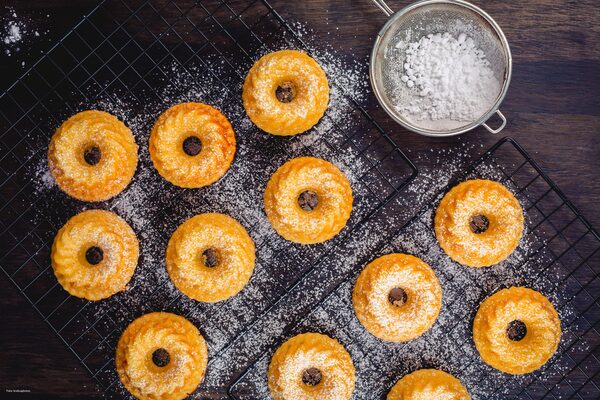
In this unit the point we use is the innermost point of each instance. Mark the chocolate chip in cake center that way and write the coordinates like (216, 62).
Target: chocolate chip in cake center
(479, 223)
(161, 357)
(192, 146)
(308, 200)
(312, 376)
(210, 257)
(94, 255)
(516, 330)
(92, 155)
(285, 92)
(397, 296)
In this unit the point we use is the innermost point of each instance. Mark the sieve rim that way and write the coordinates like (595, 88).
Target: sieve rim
(396, 116)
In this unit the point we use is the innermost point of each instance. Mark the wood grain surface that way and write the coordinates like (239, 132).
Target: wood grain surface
(553, 109)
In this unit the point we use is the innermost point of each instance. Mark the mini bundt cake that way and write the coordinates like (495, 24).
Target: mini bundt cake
(308, 200)
(95, 254)
(311, 366)
(516, 330)
(397, 297)
(161, 356)
(92, 156)
(285, 93)
(192, 145)
(479, 223)
(428, 384)
(210, 257)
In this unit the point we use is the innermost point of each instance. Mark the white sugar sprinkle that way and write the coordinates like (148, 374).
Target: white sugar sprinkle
(14, 33)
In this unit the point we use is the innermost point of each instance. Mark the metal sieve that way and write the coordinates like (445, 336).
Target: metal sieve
(420, 19)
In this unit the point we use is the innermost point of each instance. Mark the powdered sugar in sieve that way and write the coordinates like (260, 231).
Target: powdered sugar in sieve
(440, 67)
(444, 82)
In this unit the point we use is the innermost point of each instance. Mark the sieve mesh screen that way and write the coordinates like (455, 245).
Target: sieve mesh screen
(421, 21)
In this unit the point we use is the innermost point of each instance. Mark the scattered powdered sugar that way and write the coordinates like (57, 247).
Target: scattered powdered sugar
(15, 31)
(432, 179)
(351, 75)
(43, 177)
(452, 78)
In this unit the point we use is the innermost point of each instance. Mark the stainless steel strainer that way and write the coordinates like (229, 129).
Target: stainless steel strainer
(436, 16)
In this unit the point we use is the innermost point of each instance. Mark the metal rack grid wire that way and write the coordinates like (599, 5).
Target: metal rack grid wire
(124, 52)
(562, 259)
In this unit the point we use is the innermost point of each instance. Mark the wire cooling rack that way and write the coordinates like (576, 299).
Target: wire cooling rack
(135, 59)
(127, 52)
(559, 256)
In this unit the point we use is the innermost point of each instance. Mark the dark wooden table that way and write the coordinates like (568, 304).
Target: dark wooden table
(553, 107)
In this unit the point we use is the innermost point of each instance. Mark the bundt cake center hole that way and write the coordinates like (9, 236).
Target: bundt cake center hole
(397, 296)
(285, 92)
(312, 376)
(479, 223)
(94, 255)
(192, 146)
(92, 155)
(516, 330)
(210, 257)
(161, 357)
(308, 200)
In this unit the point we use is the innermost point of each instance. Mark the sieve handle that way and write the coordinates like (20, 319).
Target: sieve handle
(502, 125)
(383, 7)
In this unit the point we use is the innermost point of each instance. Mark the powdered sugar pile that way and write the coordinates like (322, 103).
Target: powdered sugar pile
(451, 76)
(441, 70)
